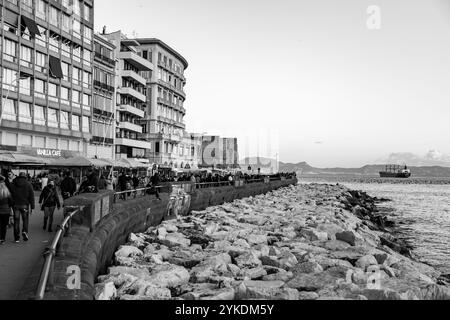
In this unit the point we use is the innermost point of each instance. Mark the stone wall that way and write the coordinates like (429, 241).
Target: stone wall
(93, 241)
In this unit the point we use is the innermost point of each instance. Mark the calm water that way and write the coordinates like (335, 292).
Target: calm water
(422, 210)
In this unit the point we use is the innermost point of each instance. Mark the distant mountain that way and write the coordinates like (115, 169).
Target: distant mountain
(432, 158)
(368, 170)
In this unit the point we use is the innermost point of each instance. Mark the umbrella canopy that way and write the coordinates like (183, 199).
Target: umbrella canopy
(80, 162)
(19, 158)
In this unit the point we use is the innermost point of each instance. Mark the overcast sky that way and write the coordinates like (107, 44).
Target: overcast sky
(327, 89)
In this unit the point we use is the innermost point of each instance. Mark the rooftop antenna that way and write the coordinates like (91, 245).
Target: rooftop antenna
(104, 29)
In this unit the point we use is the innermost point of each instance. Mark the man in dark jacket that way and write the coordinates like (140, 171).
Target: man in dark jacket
(68, 186)
(50, 201)
(155, 180)
(23, 199)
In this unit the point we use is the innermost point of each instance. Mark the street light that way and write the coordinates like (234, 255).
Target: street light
(18, 78)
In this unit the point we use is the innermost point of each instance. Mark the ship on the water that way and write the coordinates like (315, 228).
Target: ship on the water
(396, 171)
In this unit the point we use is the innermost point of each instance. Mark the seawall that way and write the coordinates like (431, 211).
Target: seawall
(103, 226)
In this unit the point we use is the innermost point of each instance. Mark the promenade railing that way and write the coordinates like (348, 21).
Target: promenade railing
(51, 252)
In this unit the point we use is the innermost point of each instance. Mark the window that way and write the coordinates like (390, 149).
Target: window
(10, 110)
(25, 86)
(52, 143)
(76, 96)
(52, 92)
(53, 118)
(54, 42)
(87, 78)
(77, 53)
(39, 116)
(86, 100)
(76, 7)
(53, 16)
(39, 88)
(87, 34)
(66, 22)
(64, 120)
(24, 112)
(66, 47)
(41, 9)
(76, 28)
(65, 95)
(76, 76)
(65, 69)
(42, 39)
(40, 61)
(25, 56)
(75, 123)
(87, 56)
(64, 144)
(39, 142)
(86, 124)
(87, 13)
(9, 50)
(26, 140)
(10, 78)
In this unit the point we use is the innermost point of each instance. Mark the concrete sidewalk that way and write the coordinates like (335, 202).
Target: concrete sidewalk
(17, 260)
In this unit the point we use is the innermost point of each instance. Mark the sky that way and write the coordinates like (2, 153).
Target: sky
(311, 79)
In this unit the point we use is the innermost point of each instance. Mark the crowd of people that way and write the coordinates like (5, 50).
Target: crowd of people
(17, 194)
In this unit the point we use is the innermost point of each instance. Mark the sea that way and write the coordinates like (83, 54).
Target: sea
(419, 206)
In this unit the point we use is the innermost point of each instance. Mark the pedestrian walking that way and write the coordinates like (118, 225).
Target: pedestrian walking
(23, 199)
(49, 201)
(6, 212)
(155, 180)
(68, 186)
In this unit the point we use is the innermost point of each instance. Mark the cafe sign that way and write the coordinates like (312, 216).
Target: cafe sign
(49, 153)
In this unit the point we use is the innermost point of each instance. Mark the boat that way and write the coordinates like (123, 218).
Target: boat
(396, 171)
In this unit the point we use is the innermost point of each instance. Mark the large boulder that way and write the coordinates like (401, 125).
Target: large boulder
(312, 282)
(168, 276)
(366, 262)
(349, 237)
(267, 290)
(172, 240)
(248, 260)
(128, 251)
(314, 235)
(307, 267)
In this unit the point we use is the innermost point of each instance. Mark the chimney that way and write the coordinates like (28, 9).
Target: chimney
(104, 30)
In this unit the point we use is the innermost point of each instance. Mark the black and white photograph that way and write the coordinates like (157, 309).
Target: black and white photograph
(225, 158)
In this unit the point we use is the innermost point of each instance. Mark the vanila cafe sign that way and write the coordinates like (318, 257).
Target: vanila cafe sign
(49, 153)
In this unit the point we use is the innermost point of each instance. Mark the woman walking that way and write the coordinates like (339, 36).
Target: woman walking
(6, 205)
(50, 200)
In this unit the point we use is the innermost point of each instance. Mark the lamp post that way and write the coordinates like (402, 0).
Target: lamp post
(18, 78)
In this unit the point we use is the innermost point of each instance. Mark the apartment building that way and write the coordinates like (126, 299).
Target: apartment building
(46, 76)
(104, 100)
(164, 126)
(131, 98)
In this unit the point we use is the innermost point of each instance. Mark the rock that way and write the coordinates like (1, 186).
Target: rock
(381, 257)
(382, 294)
(314, 235)
(209, 267)
(287, 261)
(267, 290)
(139, 273)
(156, 293)
(312, 282)
(175, 240)
(128, 251)
(255, 239)
(248, 260)
(336, 245)
(350, 237)
(223, 294)
(435, 292)
(270, 261)
(185, 259)
(304, 295)
(307, 267)
(366, 261)
(168, 276)
(119, 280)
(105, 291)
(255, 273)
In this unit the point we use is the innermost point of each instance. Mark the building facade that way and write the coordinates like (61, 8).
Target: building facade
(131, 98)
(46, 75)
(164, 125)
(104, 101)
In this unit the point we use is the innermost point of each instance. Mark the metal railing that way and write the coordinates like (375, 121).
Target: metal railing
(135, 193)
(51, 252)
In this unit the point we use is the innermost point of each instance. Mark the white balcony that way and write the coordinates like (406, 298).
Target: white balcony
(130, 127)
(134, 93)
(133, 75)
(136, 61)
(133, 143)
(133, 110)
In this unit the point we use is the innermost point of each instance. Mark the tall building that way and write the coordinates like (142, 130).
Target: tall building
(131, 98)
(104, 100)
(164, 126)
(46, 76)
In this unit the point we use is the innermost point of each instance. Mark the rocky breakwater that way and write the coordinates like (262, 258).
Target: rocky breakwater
(303, 242)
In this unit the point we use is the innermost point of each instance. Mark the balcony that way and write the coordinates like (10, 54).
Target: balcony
(132, 110)
(131, 127)
(134, 93)
(133, 75)
(140, 63)
(133, 143)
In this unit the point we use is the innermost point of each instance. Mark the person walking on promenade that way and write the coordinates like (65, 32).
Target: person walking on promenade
(155, 183)
(68, 186)
(10, 179)
(6, 205)
(102, 183)
(23, 199)
(49, 200)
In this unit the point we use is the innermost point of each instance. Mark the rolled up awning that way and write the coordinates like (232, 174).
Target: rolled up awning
(31, 25)
(55, 67)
